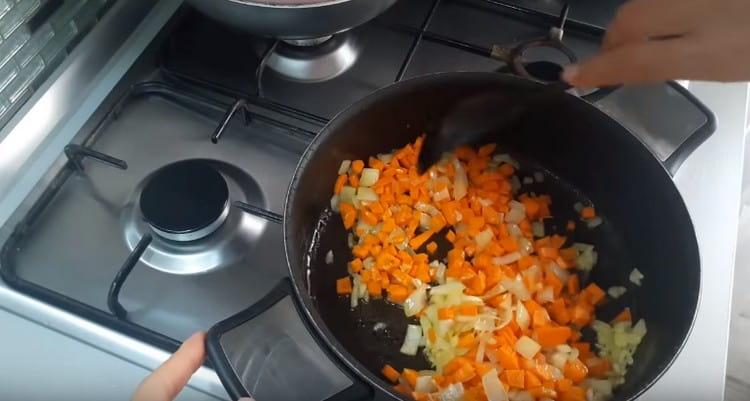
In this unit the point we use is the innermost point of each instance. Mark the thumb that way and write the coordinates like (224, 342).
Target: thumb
(168, 379)
(643, 62)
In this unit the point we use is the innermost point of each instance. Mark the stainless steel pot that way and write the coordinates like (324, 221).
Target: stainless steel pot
(293, 19)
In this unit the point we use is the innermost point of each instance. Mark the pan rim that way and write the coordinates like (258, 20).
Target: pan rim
(315, 318)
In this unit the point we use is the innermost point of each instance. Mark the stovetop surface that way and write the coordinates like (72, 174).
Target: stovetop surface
(75, 245)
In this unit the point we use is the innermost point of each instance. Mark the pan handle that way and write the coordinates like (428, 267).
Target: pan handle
(269, 351)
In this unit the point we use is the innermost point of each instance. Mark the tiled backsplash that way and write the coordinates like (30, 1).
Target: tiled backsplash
(35, 36)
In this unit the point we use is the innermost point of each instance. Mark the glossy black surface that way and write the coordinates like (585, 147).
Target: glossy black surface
(184, 197)
(585, 154)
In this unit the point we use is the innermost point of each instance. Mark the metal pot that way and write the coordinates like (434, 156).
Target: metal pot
(585, 155)
(293, 19)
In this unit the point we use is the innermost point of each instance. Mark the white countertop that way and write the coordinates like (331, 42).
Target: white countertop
(709, 180)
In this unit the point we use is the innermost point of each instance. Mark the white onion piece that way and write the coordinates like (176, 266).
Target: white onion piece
(594, 222)
(537, 228)
(484, 238)
(505, 158)
(515, 184)
(558, 359)
(514, 215)
(493, 388)
(527, 347)
(520, 396)
(365, 194)
(416, 301)
(329, 257)
(424, 221)
(539, 176)
(461, 182)
(344, 167)
(506, 259)
(369, 177)
(412, 339)
(523, 319)
(525, 246)
(547, 295)
(527, 180)
(517, 288)
(514, 230)
(558, 271)
(494, 291)
(427, 208)
(441, 195)
(425, 384)
(616, 291)
(347, 194)
(454, 392)
(335, 200)
(578, 206)
(636, 276)
(451, 287)
(480, 350)
(385, 157)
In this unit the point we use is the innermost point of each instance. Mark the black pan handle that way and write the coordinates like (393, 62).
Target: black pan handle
(234, 353)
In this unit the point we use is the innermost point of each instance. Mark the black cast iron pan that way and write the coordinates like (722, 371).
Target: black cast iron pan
(585, 156)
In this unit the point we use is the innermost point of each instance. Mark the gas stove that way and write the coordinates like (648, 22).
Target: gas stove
(162, 216)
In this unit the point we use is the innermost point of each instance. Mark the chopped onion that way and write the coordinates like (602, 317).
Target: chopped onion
(484, 238)
(452, 287)
(441, 195)
(335, 200)
(578, 206)
(329, 257)
(520, 396)
(493, 388)
(365, 194)
(344, 167)
(594, 222)
(514, 230)
(517, 288)
(505, 158)
(527, 180)
(523, 319)
(424, 221)
(479, 358)
(347, 194)
(586, 258)
(385, 157)
(461, 182)
(506, 259)
(547, 295)
(369, 177)
(539, 176)
(616, 292)
(516, 214)
(558, 271)
(537, 228)
(412, 339)
(601, 390)
(527, 347)
(416, 301)
(525, 246)
(454, 392)
(515, 185)
(558, 359)
(427, 208)
(636, 276)
(494, 291)
(425, 384)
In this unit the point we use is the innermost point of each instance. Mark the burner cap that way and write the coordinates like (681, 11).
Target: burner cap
(314, 60)
(185, 201)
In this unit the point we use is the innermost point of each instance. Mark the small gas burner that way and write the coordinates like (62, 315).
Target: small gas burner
(185, 201)
(314, 60)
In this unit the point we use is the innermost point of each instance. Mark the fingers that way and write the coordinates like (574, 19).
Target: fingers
(650, 61)
(168, 379)
(638, 20)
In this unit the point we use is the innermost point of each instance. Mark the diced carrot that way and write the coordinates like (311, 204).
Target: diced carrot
(588, 212)
(593, 294)
(486, 150)
(344, 286)
(468, 310)
(348, 214)
(397, 293)
(432, 247)
(580, 315)
(446, 313)
(571, 225)
(575, 370)
(542, 392)
(531, 380)
(507, 357)
(573, 285)
(547, 252)
(354, 180)
(357, 166)
(402, 388)
(624, 316)
(564, 385)
(513, 377)
(450, 236)
(340, 182)
(411, 377)
(466, 340)
(420, 239)
(374, 289)
(390, 373)
(559, 312)
(548, 336)
(574, 394)
(598, 367)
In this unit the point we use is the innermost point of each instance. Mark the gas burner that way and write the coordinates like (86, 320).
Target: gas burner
(185, 201)
(194, 195)
(314, 60)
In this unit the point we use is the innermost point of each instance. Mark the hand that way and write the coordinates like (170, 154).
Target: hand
(166, 382)
(657, 40)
